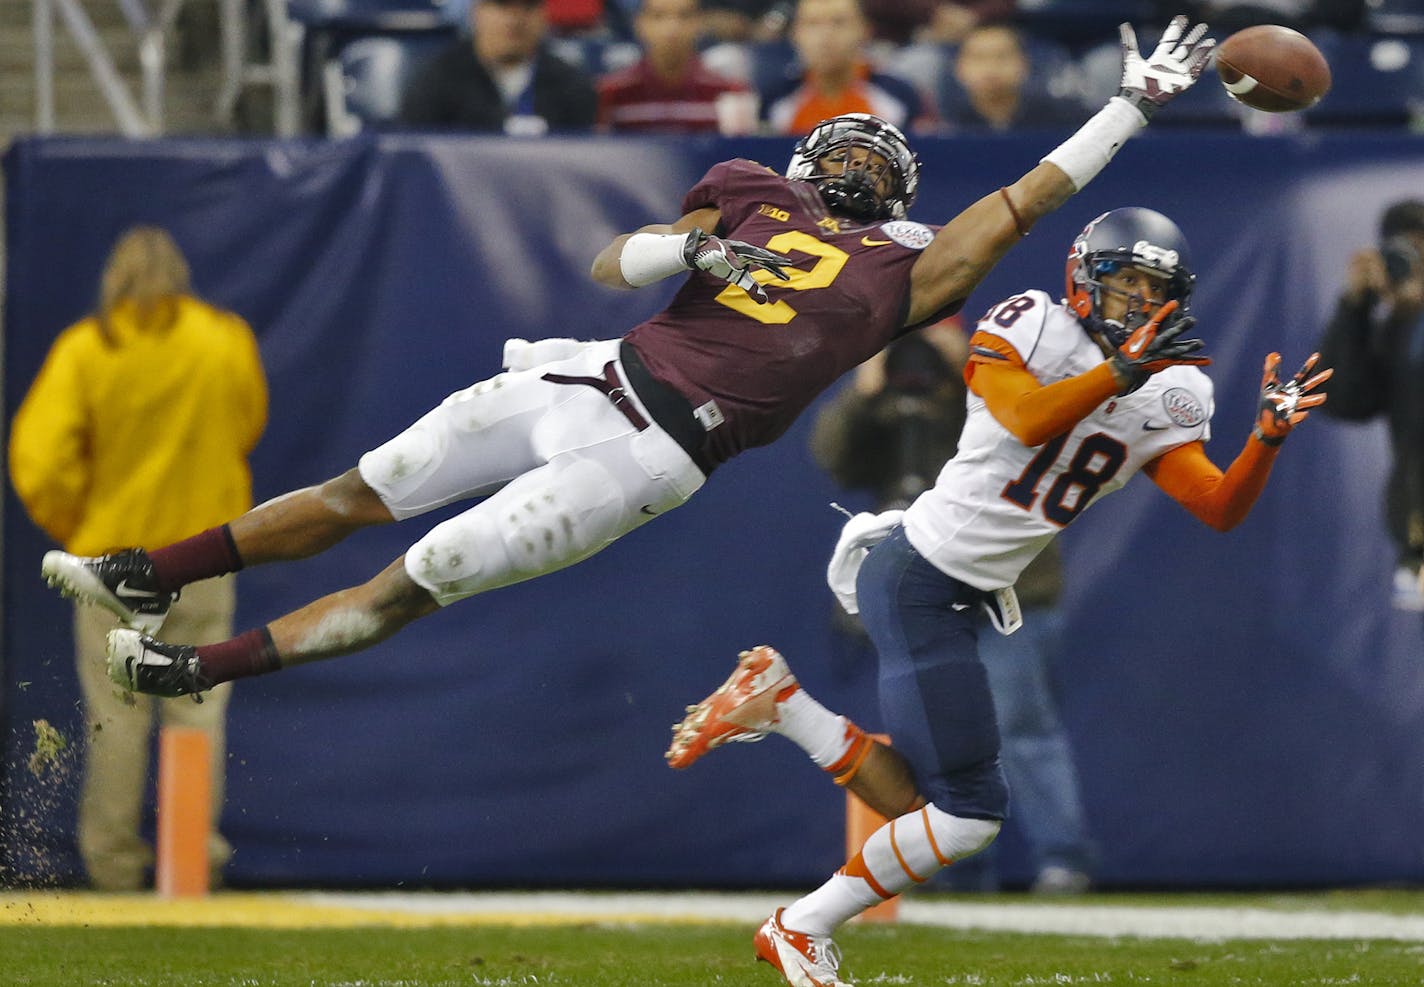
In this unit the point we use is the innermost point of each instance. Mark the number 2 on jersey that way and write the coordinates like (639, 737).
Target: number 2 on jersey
(829, 261)
(1096, 461)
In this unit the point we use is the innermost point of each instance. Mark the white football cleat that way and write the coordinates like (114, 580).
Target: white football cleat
(802, 960)
(743, 709)
(122, 583)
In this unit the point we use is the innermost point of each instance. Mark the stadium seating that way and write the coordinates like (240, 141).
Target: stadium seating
(1376, 81)
(1395, 16)
(1074, 22)
(368, 16)
(366, 79)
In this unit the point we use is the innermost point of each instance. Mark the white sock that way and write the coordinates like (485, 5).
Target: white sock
(823, 735)
(905, 851)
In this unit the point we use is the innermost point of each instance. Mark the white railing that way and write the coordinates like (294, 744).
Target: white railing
(150, 33)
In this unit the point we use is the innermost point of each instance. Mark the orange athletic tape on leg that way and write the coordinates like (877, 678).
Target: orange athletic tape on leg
(845, 769)
(861, 823)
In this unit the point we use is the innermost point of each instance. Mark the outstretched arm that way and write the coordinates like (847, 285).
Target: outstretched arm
(1222, 500)
(975, 240)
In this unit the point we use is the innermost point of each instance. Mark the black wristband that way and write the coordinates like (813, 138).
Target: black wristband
(1265, 439)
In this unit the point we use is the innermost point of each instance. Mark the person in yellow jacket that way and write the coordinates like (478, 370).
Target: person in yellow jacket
(137, 432)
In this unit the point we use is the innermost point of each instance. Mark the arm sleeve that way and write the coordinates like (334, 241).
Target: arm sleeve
(1359, 388)
(1032, 412)
(1219, 500)
(49, 446)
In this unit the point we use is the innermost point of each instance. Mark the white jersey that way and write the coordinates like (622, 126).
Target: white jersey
(997, 503)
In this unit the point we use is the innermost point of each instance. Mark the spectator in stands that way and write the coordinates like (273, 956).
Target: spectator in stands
(669, 90)
(168, 392)
(995, 91)
(745, 21)
(901, 22)
(836, 77)
(503, 79)
(889, 432)
(1375, 342)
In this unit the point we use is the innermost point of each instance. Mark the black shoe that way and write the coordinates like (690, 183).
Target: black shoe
(122, 583)
(140, 664)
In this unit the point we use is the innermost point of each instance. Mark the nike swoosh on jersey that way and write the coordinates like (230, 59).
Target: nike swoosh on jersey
(874, 243)
(1149, 427)
(648, 510)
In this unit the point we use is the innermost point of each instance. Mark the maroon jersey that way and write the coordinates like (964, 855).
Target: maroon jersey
(761, 365)
(637, 99)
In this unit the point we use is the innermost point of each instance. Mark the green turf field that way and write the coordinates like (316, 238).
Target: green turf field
(35, 951)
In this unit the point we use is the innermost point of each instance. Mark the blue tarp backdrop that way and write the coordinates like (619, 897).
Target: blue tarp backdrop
(1246, 708)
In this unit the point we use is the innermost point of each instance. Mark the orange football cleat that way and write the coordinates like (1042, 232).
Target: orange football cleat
(742, 710)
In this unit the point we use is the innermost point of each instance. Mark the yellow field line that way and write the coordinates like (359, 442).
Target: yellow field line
(271, 910)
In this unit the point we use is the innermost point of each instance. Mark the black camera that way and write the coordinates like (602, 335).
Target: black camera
(1401, 259)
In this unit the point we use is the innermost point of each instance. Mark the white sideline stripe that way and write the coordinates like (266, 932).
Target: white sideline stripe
(1166, 922)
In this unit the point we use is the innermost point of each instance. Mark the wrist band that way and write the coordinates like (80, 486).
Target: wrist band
(650, 257)
(1018, 220)
(1266, 440)
(1089, 150)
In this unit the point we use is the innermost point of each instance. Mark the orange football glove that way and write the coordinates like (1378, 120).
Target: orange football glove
(1153, 347)
(1284, 406)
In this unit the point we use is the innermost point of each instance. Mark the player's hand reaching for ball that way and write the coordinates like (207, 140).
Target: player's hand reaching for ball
(1176, 63)
(733, 261)
(1285, 405)
(1153, 347)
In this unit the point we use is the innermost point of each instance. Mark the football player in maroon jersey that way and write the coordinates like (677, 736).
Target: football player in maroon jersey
(579, 443)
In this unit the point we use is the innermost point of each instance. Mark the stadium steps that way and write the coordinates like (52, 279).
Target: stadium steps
(191, 86)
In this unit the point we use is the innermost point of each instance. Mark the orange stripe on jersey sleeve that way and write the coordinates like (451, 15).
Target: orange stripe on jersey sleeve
(1032, 412)
(1219, 500)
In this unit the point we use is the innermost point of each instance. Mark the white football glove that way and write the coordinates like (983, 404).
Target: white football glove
(1174, 65)
(733, 261)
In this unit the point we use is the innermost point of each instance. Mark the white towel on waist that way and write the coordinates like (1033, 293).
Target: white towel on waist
(861, 533)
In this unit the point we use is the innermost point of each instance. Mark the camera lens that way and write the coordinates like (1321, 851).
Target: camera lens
(1400, 258)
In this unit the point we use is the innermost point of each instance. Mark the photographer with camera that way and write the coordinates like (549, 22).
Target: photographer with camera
(1375, 342)
(889, 432)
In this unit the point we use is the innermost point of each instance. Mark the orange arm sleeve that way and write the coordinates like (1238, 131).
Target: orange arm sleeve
(1219, 500)
(1032, 412)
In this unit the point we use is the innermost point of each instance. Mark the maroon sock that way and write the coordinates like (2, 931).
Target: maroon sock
(207, 554)
(250, 653)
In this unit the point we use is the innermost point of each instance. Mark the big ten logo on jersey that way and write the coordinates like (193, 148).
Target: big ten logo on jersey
(775, 212)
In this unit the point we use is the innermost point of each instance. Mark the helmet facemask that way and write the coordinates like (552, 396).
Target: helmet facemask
(1139, 308)
(848, 186)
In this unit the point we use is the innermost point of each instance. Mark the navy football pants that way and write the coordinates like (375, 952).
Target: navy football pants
(934, 692)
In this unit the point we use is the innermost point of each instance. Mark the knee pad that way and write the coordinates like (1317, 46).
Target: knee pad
(398, 468)
(458, 558)
(957, 836)
(543, 521)
(910, 848)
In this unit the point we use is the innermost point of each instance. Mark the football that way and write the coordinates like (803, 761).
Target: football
(1272, 68)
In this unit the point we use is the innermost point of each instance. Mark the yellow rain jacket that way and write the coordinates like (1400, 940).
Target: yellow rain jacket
(144, 441)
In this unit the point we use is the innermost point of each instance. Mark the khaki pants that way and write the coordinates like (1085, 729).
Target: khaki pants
(120, 728)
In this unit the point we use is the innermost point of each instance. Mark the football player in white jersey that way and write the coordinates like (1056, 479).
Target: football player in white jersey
(1067, 401)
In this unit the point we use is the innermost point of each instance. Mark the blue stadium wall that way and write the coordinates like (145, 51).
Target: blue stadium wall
(1247, 708)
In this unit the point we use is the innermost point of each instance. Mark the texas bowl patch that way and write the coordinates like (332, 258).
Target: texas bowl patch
(1183, 407)
(916, 236)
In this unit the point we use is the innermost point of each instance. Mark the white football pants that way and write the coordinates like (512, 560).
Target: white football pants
(564, 473)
